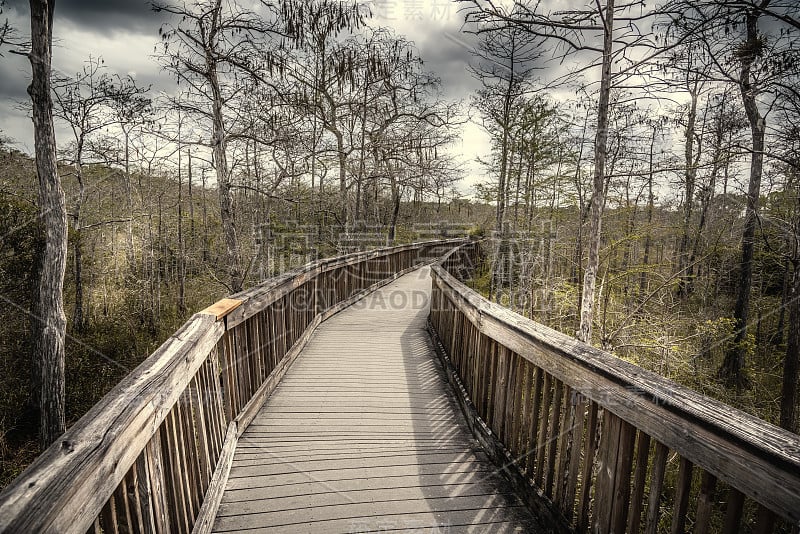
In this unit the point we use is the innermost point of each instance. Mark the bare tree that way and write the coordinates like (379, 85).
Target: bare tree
(82, 103)
(48, 320)
(692, 80)
(786, 149)
(212, 41)
(504, 61)
(217, 47)
(330, 81)
(130, 107)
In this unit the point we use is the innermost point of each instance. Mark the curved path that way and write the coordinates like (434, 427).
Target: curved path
(362, 435)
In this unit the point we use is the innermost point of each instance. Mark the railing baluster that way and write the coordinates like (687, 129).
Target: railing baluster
(108, 517)
(158, 483)
(589, 451)
(682, 488)
(656, 484)
(733, 512)
(482, 398)
(215, 397)
(178, 466)
(502, 391)
(524, 413)
(765, 521)
(552, 438)
(574, 444)
(533, 426)
(541, 440)
(639, 481)
(606, 471)
(511, 398)
(134, 501)
(705, 503)
(144, 494)
(227, 361)
(564, 435)
(491, 377)
(622, 477)
(124, 523)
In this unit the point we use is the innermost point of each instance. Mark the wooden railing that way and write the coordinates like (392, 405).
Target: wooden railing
(596, 443)
(153, 454)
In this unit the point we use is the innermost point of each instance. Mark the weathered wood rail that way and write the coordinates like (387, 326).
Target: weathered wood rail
(149, 457)
(599, 444)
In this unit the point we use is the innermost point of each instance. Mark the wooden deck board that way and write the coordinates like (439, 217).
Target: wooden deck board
(363, 435)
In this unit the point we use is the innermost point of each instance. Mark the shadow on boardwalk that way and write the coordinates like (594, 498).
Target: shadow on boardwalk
(362, 435)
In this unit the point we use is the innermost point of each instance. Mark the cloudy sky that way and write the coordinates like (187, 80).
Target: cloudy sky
(125, 32)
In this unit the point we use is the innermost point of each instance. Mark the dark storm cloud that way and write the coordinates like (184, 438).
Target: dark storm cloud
(13, 81)
(103, 16)
(450, 60)
(445, 51)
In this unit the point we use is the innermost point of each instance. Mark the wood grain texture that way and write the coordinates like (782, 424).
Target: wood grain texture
(362, 434)
(222, 307)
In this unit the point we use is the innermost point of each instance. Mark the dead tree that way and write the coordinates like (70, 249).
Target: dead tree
(49, 322)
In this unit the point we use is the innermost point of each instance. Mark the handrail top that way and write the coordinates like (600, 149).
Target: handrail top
(222, 307)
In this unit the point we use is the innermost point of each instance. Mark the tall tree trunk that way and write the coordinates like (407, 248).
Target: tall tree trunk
(79, 315)
(786, 289)
(395, 189)
(690, 177)
(226, 203)
(598, 182)
(501, 186)
(357, 214)
(191, 199)
(395, 210)
(362, 154)
(130, 251)
(345, 213)
(219, 143)
(650, 209)
(49, 322)
(733, 367)
(576, 270)
(501, 228)
(518, 177)
(204, 206)
(791, 365)
(181, 263)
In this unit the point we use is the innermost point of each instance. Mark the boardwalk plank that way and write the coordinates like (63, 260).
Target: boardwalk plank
(362, 434)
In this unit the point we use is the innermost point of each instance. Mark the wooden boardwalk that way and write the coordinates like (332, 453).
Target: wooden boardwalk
(362, 435)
